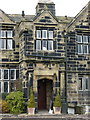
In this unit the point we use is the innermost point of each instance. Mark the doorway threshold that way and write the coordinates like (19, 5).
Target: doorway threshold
(43, 112)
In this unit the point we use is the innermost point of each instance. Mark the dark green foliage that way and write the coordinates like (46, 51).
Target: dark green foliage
(57, 102)
(31, 102)
(16, 102)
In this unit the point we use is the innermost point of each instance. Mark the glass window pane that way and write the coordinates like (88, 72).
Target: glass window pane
(79, 38)
(85, 39)
(6, 74)
(38, 34)
(12, 74)
(44, 45)
(80, 50)
(85, 49)
(50, 45)
(44, 34)
(2, 44)
(2, 34)
(38, 44)
(9, 44)
(50, 34)
(80, 84)
(86, 83)
(9, 34)
(5, 86)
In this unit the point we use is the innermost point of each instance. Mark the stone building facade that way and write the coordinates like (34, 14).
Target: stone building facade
(49, 53)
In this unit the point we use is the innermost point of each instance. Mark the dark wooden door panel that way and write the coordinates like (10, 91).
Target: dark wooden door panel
(41, 94)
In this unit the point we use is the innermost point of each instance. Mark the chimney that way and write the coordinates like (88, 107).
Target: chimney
(23, 14)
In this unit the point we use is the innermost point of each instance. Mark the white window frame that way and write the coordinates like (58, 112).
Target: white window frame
(9, 44)
(50, 41)
(2, 34)
(4, 86)
(80, 48)
(8, 74)
(38, 34)
(43, 47)
(44, 34)
(85, 39)
(38, 43)
(85, 48)
(14, 74)
(83, 84)
(3, 41)
(9, 34)
(50, 34)
(79, 38)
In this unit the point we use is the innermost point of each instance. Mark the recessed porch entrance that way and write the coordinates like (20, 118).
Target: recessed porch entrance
(45, 90)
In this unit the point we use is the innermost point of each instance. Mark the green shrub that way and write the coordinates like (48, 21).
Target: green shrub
(31, 102)
(16, 102)
(57, 102)
(4, 106)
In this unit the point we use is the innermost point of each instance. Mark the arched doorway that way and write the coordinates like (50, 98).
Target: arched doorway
(45, 91)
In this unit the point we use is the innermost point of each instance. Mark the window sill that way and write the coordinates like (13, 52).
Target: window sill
(6, 49)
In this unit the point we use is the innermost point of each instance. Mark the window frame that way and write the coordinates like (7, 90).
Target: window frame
(85, 49)
(8, 74)
(11, 33)
(4, 87)
(37, 43)
(2, 32)
(83, 84)
(79, 38)
(85, 39)
(37, 34)
(43, 47)
(11, 43)
(80, 49)
(49, 44)
(44, 33)
(14, 74)
(50, 36)
(3, 42)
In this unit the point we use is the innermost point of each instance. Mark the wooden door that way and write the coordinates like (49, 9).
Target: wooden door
(41, 94)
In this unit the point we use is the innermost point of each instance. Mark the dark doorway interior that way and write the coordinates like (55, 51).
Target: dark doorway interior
(45, 88)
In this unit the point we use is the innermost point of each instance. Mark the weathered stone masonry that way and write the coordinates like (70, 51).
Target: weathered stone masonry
(48, 52)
